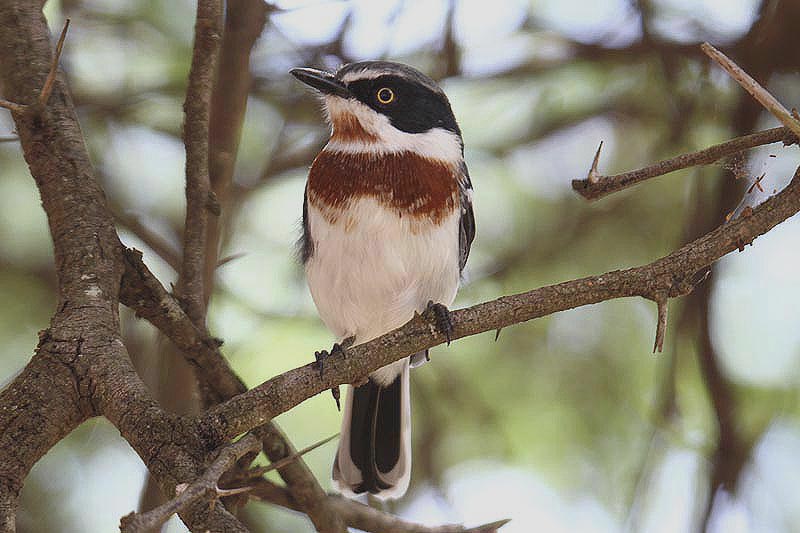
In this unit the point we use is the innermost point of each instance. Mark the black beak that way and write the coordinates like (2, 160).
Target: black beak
(324, 82)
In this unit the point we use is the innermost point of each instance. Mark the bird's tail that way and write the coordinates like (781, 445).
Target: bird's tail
(374, 452)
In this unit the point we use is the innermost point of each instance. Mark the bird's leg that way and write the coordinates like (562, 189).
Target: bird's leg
(336, 349)
(441, 317)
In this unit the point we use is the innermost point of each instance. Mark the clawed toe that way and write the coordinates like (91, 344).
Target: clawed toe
(441, 316)
(322, 355)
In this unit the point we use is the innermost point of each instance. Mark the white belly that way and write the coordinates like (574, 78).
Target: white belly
(372, 269)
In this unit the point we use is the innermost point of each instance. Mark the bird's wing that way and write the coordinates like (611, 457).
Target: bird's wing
(466, 226)
(305, 246)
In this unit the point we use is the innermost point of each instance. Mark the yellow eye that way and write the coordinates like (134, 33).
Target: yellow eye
(385, 95)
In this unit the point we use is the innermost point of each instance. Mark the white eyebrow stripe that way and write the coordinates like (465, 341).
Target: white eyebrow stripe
(366, 74)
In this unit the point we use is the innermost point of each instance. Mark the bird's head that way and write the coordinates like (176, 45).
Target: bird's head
(385, 107)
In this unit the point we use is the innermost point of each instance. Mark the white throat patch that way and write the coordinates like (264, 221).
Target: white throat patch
(436, 143)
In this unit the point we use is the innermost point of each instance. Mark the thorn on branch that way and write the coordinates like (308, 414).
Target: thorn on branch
(47, 88)
(594, 176)
(661, 324)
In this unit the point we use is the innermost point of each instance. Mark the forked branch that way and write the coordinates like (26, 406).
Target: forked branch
(203, 487)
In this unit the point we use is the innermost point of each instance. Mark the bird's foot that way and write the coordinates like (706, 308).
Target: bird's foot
(337, 349)
(321, 356)
(442, 319)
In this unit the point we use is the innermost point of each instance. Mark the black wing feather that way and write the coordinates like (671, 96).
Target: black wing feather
(466, 226)
(305, 246)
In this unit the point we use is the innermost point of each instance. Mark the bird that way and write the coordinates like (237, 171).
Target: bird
(387, 227)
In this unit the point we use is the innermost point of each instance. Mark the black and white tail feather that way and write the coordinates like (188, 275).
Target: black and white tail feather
(374, 452)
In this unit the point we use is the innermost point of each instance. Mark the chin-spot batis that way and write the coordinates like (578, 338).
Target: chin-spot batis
(387, 228)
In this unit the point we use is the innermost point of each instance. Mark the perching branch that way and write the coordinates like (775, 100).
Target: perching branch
(596, 186)
(364, 517)
(673, 275)
(144, 294)
(202, 488)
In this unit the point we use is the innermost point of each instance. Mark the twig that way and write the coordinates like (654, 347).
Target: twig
(661, 324)
(754, 88)
(295, 456)
(163, 248)
(244, 23)
(757, 184)
(672, 274)
(230, 258)
(47, 88)
(208, 29)
(9, 139)
(596, 186)
(13, 106)
(203, 487)
(363, 517)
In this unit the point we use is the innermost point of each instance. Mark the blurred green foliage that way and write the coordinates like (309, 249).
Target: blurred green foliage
(567, 423)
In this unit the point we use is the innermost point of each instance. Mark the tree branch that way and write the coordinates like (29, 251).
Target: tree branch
(37, 409)
(199, 200)
(83, 341)
(162, 247)
(671, 275)
(144, 293)
(203, 488)
(363, 517)
(769, 102)
(596, 186)
(244, 22)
